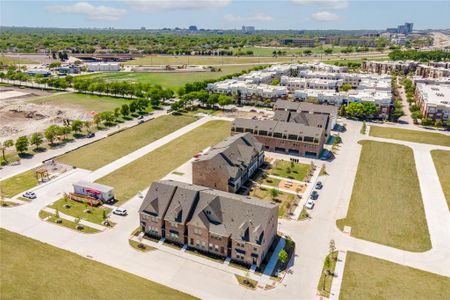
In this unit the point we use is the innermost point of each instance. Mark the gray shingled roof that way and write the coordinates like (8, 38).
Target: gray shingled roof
(280, 127)
(234, 153)
(157, 199)
(306, 107)
(220, 212)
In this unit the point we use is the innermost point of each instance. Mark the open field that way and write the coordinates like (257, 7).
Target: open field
(13, 60)
(367, 277)
(123, 143)
(441, 161)
(139, 174)
(204, 60)
(386, 205)
(171, 80)
(18, 184)
(408, 135)
(83, 102)
(34, 270)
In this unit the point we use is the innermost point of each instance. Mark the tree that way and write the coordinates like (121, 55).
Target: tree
(327, 266)
(22, 144)
(125, 110)
(175, 106)
(416, 115)
(283, 256)
(426, 121)
(77, 125)
(275, 82)
(6, 144)
(332, 247)
(328, 51)
(51, 133)
(354, 109)
(224, 100)
(36, 139)
(133, 106)
(274, 193)
(346, 87)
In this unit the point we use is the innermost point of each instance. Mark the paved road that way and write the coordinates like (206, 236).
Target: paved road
(312, 237)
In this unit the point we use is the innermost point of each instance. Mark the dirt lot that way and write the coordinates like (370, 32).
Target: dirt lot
(20, 117)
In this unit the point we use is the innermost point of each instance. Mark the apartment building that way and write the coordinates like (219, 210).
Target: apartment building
(286, 137)
(214, 222)
(386, 67)
(247, 90)
(229, 164)
(300, 42)
(434, 100)
(306, 109)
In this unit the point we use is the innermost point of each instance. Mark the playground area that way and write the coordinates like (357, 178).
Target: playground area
(293, 186)
(49, 170)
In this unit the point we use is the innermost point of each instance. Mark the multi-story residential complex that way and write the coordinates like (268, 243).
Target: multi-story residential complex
(286, 137)
(406, 28)
(434, 100)
(432, 70)
(211, 221)
(248, 90)
(306, 109)
(228, 165)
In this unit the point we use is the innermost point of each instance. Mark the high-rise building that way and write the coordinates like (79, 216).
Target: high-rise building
(248, 29)
(193, 28)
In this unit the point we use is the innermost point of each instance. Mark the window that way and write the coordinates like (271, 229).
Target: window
(197, 231)
(277, 135)
(239, 129)
(249, 130)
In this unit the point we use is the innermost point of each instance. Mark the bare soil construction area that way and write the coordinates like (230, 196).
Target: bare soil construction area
(18, 116)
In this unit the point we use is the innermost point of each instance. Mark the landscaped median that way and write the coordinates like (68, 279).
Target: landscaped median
(107, 150)
(441, 161)
(368, 277)
(415, 136)
(77, 216)
(327, 275)
(386, 205)
(139, 174)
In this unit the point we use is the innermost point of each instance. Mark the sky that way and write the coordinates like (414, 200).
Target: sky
(226, 14)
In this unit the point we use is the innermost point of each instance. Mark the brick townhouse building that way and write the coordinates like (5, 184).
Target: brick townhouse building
(228, 165)
(211, 221)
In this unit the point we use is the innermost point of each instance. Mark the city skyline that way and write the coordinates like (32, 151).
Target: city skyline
(227, 14)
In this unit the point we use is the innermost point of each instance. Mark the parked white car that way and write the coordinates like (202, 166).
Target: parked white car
(120, 211)
(309, 204)
(30, 195)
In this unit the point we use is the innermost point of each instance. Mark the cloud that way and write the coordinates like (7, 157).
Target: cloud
(176, 4)
(334, 4)
(258, 17)
(324, 16)
(92, 12)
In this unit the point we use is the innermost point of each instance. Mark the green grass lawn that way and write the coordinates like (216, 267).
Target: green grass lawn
(268, 51)
(77, 210)
(441, 161)
(285, 200)
(82, 102)
(98, 154)
(139, 174)
(290, 170)
(18, 184)
(324, 285)
(171, 80)
(408, 135)
(386, 205)
(369, 278)
(52, 218)
(33, 270)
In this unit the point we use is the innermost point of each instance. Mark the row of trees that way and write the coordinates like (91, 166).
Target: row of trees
(424, 56)
(364, 110)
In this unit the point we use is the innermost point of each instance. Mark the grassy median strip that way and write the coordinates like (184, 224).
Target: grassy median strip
(326, 279)
(367, 277)
(79, 210)
(139, 174)
(105, 151)
(34, 270)
(386, 204)
(415, 136)
(441, 161)
(18, 184)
